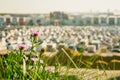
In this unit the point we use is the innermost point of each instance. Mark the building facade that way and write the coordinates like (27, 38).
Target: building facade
(61, 18)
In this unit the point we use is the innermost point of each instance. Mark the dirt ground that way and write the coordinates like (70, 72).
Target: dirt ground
(89, 74)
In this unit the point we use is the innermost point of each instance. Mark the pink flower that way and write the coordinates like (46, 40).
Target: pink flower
(36, 33)
(34, 59)
(22, 46)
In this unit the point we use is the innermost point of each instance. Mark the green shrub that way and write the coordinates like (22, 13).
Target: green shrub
(103, 50)
(81, 50)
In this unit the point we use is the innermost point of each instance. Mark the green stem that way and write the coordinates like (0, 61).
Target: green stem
(70, 58)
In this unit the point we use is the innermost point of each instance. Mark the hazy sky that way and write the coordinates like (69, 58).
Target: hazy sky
(45, 6)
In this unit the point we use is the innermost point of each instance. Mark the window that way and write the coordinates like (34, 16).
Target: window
(118, 21)
(21, 21)
(95, 20)
(103, 20)
(111, 21)
(8, 20)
